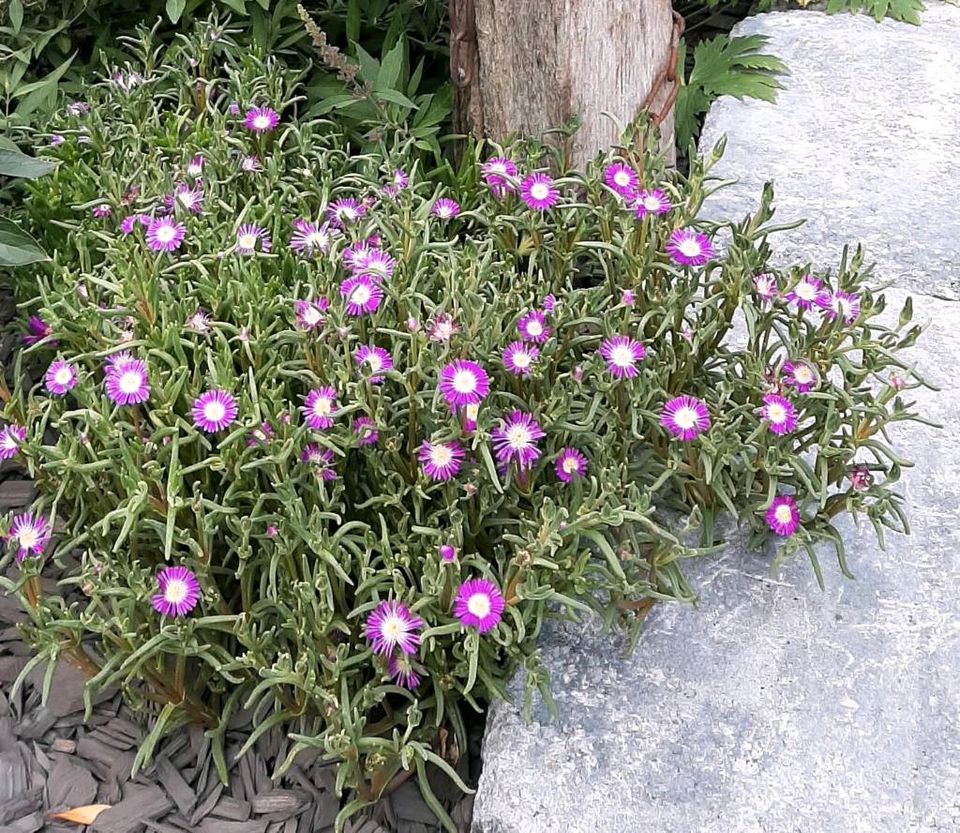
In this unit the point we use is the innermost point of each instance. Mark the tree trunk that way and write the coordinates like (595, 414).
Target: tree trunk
(529, 66)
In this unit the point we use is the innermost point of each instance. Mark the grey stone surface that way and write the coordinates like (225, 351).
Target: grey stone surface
(773, 707)
(861, 141)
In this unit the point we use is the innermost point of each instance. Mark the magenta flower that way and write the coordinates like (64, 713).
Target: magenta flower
(391, 625)
(56, 140)
(463, 383)
(516, 439)
(860, 477)
(319, 408)
(621, 178)
(479, 604)
(783, 516)
(129, 223)
(250, 164)
(357, 255)
(374, 361)
(441, 461)
(309, 238)
(628, 298)
(654, 202)
(101, 211)
(447, 553)
(126, 380)
(570, 465)
(445, 209)
(442, 328)
(248, 236)
(839, 304)
(622, 354)
(366, 431)
(805, 293)
(261, 119)
(538, 192)
(519, 358)
(779, 413)
(400, 180)
(403, 671)
(498, 174)
(165, 234)
(261, 435)
(195, 166)
(685, 417)
(800, 376)
(362, 293)
(308, 315)
(345, 211)
(38, 329)
(60, 377)
(378, 265)
(188, 197)
(179, 592)
(689, 248)
(214, 410)
(765, 285)
(233, 108)
(199, 322)
(31, 534)
(11, 436)
(321, 459)
(533, 327)
(549, 304)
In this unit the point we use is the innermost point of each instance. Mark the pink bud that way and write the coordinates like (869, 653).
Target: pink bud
(447, 553)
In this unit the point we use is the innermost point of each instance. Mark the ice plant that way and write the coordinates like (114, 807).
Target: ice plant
(195, 166)
(516, 439)
(620, 177)
(479, 604)
(30, 533)
(498, 174)
(37, 330)
(400, 667)
(126, 380)
(447, 553)
(366, 430)
(378, 265)
(214, 410)
(800, 376)
(463, 383)
(860, 477)
(783, 516)
(101, 211)
(188, 197)
(689, 248)
(570, 465)
(651, 203)
(249, 236)
(445, 209)
(319, 408)
(261, 120)
(308, 314)
(805, 292)
(199, 322)
(60, 377)
(538, 192)
(362, 295)
(345, 211)
(686, 417)
(11, 437)
(765, 285)
(441, 461)
(839, 304)
(442, 328)
(779, 413)
(310, 238)
(533, 327)
(392, 626)
(373, 362)
(250, 165)
(321, 459)
(165, 234)
(178, 592)
(519, 358)
(622, 355)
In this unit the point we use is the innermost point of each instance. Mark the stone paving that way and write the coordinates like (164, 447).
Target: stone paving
(773, 707)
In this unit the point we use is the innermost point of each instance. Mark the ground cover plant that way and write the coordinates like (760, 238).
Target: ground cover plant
(329, 436)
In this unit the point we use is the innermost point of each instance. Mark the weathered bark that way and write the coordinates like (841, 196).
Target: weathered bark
(535, 64)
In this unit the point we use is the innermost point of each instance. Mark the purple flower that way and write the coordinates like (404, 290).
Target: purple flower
(441, 461)
(77, 108)
(101, 211)
(685, 417)
(357, 255)
(187, 197)
(391, 625)
(309, 238)
(165, 234)
(779, 413)
(56, 140)
(519, 358)
(126, 380)
(498, 173)
(765, 285)
(538, 192)
(400, 180)
(374, 361)
(463, 383)
(621, 178)
(629, 298)
(839, 304)
(403, 671)
(31, 534)
(179, 592)
(362, 293)
(261, 119)
(479, 604)
(195, 166)
(516, 439)
(442, 328)
(38, 329)
(622, 354)
(445, 209)
(345, 211)
(805, 293)
(60, 377)
(129, 223)
(378, 265)
(689, 248)
(549, 304)
(447, 553)
(860, 477)
(199, 322)
(214, 410)
(261, 435)
(570, 465)
(319, 408)
(247, 238)
(800, 376)
(533, 327)
(322, 460)
(783, 516)
(250, 164)
(366, 430)
(10, 438)
(653, 202)
(233, 108)
(308, 315)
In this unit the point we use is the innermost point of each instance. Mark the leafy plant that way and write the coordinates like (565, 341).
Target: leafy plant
(329, 436)
(723, 66)
(17, 248)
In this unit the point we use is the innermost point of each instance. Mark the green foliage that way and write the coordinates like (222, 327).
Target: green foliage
(17, 248)
(291, 562)
(906, 10)
(723, 66)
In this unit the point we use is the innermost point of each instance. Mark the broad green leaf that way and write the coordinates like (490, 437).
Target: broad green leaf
(15, 163)
(17, 248)
(175, 9)
(16, 15)
(239, 6)
(390, 68)
(47, 82)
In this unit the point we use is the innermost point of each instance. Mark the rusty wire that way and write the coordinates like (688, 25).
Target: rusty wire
(666, 75)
